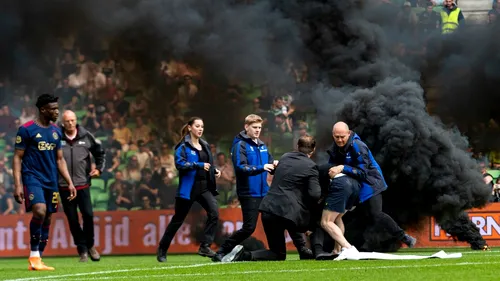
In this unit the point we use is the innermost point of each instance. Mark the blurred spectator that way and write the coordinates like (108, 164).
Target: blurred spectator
(146, 203)
(7, 122)
(144, 156)
(107, 66)
(279, 107)
(167, 158)
(451, 17)
(67, 65)
(154, 143)
(6, 201)
(5, 176)
(495, 10)
(138, 107)
(120, 196)
(122, 106)
(407, 19)
(123, 134)
(147, 188)
(167, 193)
(213, 150)
(233, 202)
(429, 20)
(74, 104)
(65, 92)
(90, 120)
(141, 131)
(77, 79)
(96, 80)
(109, 89)
(27, 114)
(227, 178)
(185, 93)
(132, 172)
(492, 18)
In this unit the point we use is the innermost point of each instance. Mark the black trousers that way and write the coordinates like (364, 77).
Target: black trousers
(372, 211)
(182, 207)
(274, 227)
(83, 237)
(321, 241)
(250, 212)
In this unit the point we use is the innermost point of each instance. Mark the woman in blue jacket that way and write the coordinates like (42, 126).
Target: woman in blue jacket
(197, 176)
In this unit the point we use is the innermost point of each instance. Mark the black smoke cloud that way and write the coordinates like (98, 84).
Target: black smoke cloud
(465, 70)
(424, 161)
(354, 77)
(426, 166)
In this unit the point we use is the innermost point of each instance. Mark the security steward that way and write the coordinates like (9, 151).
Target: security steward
(451, 17)
(79, 146)
(295, 190)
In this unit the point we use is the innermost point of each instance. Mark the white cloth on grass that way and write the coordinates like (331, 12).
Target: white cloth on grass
(383, 256)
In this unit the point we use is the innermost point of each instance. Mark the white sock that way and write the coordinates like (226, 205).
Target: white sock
(34, 254)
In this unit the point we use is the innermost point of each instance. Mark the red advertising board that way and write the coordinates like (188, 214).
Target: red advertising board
(138, 232)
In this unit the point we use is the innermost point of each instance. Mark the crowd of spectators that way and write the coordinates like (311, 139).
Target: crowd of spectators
(108, 90)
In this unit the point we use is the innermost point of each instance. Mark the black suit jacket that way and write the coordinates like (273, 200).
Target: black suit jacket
(294, 191)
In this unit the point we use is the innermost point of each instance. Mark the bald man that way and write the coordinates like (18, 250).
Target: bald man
(355, 170)
(79, 146)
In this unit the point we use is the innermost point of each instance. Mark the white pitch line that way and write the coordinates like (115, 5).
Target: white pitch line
(53, 277)
(276, 271)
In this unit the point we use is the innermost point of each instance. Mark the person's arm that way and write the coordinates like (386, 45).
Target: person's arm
(363, 158)
(461, 19)
(240, 160)
(314, 189)
(181, 162)
(63, 169)
(20, 146)
(99, 155)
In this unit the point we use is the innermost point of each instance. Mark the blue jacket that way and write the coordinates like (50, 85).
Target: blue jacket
(186, 162)
(249, 159)
(359, 163)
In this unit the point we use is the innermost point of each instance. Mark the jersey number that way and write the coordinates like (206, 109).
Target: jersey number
(55, 198)
(46, 146)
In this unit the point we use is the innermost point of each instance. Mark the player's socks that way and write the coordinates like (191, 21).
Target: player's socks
(35, 233)
(44, 237)
(34, 254)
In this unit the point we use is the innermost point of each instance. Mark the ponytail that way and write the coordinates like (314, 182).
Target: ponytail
(184, 131)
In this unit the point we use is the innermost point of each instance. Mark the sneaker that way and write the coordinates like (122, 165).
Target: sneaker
(348, 254)
(205, 251)
(94, 254)
(218, 257)
(409, 241)
(234, 254)
(326, 256)
(84, 257)
(161, 255)
(306, 254)
(35, 263)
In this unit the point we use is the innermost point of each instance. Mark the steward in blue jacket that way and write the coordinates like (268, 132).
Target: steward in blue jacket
(352, 157)
(359, 163)
(249, 158)
(197, 176)
(187, 163)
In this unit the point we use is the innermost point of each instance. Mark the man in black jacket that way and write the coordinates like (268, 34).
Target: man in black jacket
(78, 146)
(293, 193)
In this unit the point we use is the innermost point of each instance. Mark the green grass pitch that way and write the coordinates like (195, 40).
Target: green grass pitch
(474, 265)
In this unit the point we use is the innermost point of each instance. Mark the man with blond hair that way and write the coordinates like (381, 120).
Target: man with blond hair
(79, 146)
(252, 162)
